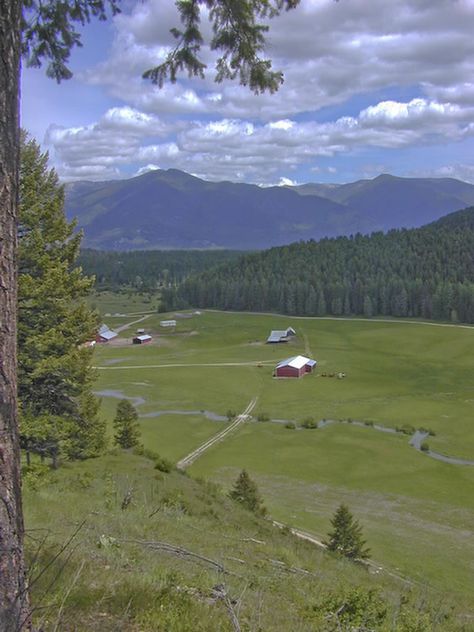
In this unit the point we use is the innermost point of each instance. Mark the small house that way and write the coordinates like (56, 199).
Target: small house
(280, 335)
(141, 339)
(105, 334)
(167, 323)
(296, 366)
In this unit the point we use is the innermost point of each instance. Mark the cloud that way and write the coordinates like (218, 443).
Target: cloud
(236, 149)
(328, 51)
(355, 78)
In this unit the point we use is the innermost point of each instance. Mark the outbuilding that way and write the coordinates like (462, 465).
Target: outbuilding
(142, 339)
(296, 366)
(280, 335)
(105, 334)
(167, 323)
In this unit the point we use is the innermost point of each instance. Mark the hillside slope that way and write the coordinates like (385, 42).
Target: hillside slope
(182, 557)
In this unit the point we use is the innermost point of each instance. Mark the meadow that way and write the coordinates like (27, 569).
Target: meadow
(417, 513)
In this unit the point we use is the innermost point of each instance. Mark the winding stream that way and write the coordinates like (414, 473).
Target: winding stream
(415, 441)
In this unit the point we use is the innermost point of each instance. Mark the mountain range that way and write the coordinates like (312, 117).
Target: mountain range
(165, 209)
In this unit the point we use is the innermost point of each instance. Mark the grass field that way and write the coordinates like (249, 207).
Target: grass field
(417, 513)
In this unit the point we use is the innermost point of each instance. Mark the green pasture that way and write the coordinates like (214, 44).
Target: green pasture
(397, 373)
(417, 513)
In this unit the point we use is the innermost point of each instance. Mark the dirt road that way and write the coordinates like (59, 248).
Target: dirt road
(190, 458)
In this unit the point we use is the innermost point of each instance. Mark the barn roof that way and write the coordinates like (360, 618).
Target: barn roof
(296, 362)
(143, 337)
(276, 336)
(108, 334)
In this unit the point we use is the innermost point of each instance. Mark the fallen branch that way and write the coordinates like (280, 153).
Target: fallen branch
(220, 593)
(177, 550)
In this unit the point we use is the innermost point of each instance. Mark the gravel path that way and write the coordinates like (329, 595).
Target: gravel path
(190, 458)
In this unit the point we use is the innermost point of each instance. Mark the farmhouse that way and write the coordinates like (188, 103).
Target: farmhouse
(167, 323)
(105, 334)
(296, 366)
(280, 335)
(141, 339)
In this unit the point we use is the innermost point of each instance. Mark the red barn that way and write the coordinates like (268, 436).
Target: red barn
(296, 366)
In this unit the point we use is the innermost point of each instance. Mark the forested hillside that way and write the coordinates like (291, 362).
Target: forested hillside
(426, 272)
(147, 270)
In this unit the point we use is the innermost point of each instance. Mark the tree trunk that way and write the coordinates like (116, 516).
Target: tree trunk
(14, 607)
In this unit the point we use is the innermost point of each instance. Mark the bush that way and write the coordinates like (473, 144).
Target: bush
(263, 417)
(290, 425)
(309, 423)
(163, 465)
(231, 414)
(367, 422)
(424, 447)
(406, 429)
(34, 475)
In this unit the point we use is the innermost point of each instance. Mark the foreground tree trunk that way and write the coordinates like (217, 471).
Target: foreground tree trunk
(14, 605)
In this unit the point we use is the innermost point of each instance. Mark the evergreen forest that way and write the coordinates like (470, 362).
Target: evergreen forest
(148, 270)
(424, 273)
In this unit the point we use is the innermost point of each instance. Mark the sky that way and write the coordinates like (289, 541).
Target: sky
(371, 86)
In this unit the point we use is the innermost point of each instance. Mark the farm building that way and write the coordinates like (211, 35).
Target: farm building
(105, 334)
(281, 335)
(296, 366)
(141, 339)
(167, 323)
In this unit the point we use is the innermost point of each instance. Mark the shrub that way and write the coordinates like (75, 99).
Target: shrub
(34, 475)
(231, 414)
(309, 423)
(424, 447)
(290, 425)
(263, 417)
(163, 465)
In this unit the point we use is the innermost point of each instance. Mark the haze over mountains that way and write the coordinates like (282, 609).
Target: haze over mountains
(172, 209)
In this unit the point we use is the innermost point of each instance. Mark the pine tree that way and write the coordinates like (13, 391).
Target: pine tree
(346, 538)
(88, 437)
(47, 30)
(54, 368)
(246, 493)
(127, 430)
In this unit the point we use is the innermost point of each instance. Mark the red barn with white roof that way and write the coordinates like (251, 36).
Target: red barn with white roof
(296, 366)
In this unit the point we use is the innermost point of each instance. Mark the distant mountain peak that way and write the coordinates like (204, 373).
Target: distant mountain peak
(174, 209)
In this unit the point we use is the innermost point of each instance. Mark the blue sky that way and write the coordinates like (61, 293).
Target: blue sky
(371, 86)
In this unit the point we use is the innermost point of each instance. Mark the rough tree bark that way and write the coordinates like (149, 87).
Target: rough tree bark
(14, 605)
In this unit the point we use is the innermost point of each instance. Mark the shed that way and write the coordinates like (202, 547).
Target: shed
(296, 366)
(280, 335)
(105, 334)
(142, 339)
(167, 323)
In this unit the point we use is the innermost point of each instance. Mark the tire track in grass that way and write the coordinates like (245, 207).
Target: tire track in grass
(190, 458)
